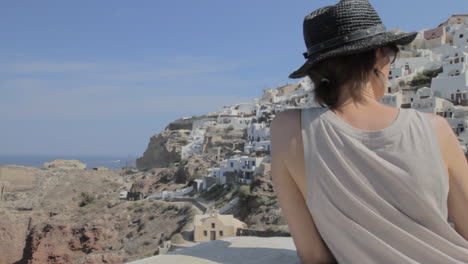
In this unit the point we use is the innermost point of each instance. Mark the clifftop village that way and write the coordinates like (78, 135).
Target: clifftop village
(430, 75)
(205, 177)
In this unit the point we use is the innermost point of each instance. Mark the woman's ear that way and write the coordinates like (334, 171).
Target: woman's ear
(379, 58)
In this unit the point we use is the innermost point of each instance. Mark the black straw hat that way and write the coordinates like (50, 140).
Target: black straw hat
(349, 27)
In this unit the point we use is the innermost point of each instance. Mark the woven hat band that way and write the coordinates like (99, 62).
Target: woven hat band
(356, 35)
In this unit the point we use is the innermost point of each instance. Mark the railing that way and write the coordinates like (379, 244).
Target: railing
(171, 194)
(229, 205)
(260, 233)
(244, 181)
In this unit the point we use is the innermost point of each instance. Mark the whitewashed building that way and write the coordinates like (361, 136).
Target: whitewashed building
(258, 132)
(454, 76)
(228, 110)
(458, 120)
(459, 97)
(424, 100)
(392, 99)
(243, 168)
(249, 108)
(236, 122)
(196, 145)
(421, 99)
(460, 37)
(444, 108)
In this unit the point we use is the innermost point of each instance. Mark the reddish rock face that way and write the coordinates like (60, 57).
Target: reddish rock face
(57, 244)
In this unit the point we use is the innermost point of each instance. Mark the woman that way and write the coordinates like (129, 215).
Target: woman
(359, 181)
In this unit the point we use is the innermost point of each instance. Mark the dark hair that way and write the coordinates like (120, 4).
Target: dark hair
(331, 75)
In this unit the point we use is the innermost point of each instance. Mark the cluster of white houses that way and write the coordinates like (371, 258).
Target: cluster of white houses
(445, 48)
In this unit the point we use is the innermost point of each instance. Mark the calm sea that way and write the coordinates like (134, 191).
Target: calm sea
(111, 162)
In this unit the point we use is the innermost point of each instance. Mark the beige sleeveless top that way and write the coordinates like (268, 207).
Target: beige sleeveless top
(379, 196)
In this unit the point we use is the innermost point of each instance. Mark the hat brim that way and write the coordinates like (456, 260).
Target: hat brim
(356, 47)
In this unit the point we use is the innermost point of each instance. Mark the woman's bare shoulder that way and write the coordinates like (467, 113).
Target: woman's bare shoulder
(287, 122)
(448, 141)
(440, 124)
(286, 134)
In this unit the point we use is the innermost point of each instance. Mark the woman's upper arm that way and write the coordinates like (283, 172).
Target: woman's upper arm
(458, 178)
(309, 244)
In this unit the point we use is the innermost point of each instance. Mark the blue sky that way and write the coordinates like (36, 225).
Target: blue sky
(100, 77)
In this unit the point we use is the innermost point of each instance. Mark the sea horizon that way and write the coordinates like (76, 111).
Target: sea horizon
(91, 161)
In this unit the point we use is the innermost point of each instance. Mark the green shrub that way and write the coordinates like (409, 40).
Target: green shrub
(86, 199)
(244, 192)
(432, 73)
(213, 193)
(420, 80)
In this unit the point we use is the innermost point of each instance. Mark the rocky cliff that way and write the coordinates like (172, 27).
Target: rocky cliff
(76, 216)
(164, 149)
(222, 142)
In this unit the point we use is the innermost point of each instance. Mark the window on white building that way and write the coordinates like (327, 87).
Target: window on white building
(212, 225)
(253, 162)
(232, 164)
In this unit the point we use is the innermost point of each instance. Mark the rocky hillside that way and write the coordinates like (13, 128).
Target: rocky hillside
(164, 149)
(76, 216)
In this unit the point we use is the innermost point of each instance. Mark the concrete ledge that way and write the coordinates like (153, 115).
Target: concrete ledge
(232, 250)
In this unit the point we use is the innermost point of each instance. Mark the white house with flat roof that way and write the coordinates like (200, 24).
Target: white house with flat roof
(244, 167)
(424, 100)
(392, 99)
(444, 107)
(454, 75)
(249, 108)
(258, 132)
(236, 122)
(460, 37)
